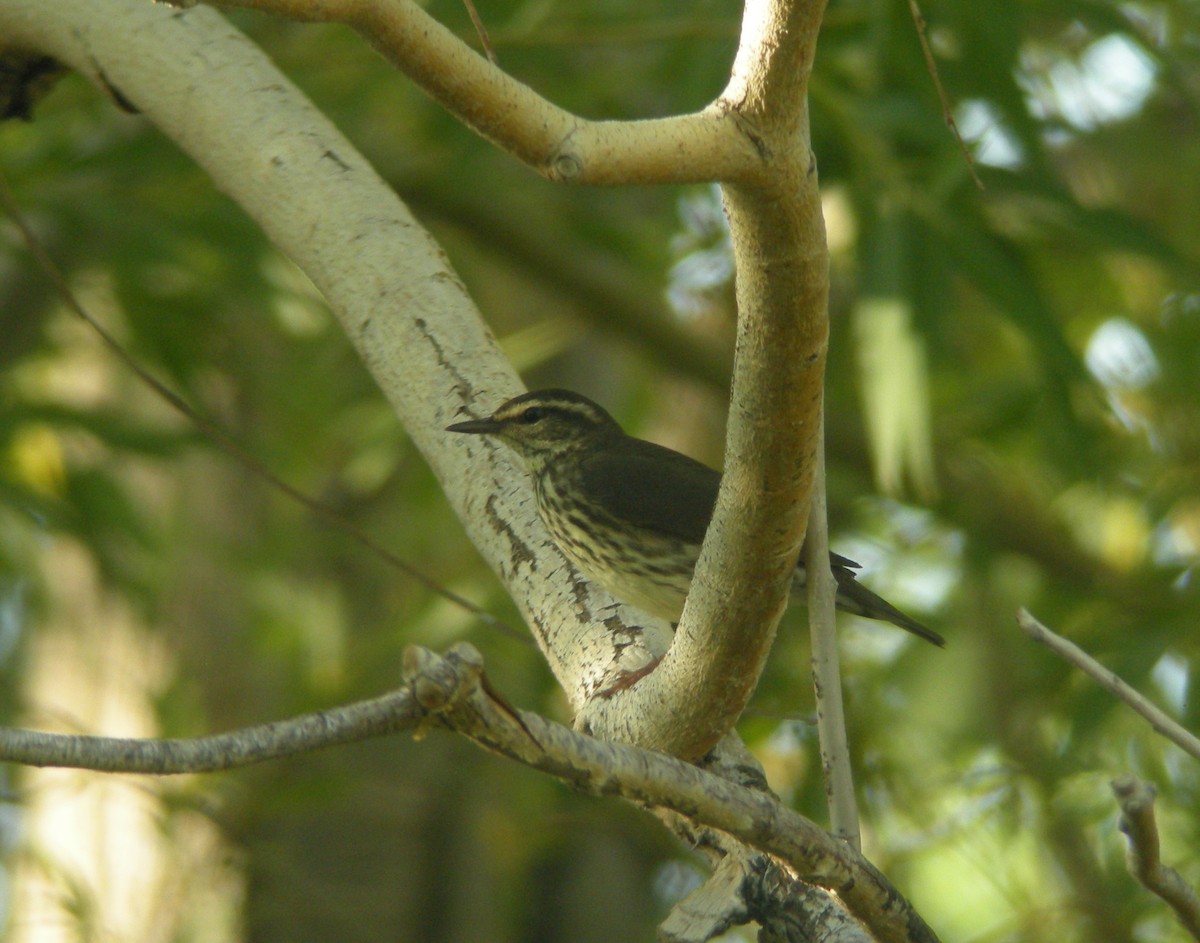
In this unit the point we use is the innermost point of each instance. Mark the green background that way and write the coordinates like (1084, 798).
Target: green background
(1012, 420)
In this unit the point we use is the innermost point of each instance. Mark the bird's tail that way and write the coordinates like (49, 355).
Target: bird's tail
(853, 597)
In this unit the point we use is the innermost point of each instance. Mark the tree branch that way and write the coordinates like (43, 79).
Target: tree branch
(754, 137)
(411, 322)
(750, 815)
(609, 296)
(826, 669)
(1076, 656)
(695, 148)
(413, 326)
(741, 581)
(1136, 798)
(452, 691)
(199, 81)
(348, 724)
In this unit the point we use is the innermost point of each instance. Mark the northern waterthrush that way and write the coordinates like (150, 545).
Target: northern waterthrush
(631, 514)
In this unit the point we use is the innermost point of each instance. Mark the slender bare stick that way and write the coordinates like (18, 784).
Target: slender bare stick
(947, 111)
(349, 723)
(827, 675)
(480, 30)
(1110, 681)
(1136, 797)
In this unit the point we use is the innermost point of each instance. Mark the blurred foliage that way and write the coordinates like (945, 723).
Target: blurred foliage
(1012, 412)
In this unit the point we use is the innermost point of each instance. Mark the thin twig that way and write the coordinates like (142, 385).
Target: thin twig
(480, 30)
(349, 723)
(1107, 679)
(947, 110)
(217, 436)
(1136, 797)
(827, 676)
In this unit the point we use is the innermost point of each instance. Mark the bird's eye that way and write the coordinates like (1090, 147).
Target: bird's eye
(533, 414)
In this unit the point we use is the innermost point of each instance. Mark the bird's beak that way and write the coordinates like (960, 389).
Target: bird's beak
(477, 426)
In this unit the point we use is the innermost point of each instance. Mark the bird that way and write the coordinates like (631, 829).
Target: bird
(629, 513)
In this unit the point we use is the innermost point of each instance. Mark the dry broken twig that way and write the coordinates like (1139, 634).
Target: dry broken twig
(1122, 690)
(1136, 797)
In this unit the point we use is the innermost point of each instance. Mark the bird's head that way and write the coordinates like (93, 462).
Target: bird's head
(545, 425)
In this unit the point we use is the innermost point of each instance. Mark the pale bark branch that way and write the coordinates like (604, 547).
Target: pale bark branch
(604, 291)
(787, 909)
(748, 885)
(694, 148)
(1111, 682)
(826, 671)
(215, 94)
(755, 139)
(1136, 798)
(349, 723)
(452, 691)
(741, 582)
(199, 81)
(414, 327)
(752, 816)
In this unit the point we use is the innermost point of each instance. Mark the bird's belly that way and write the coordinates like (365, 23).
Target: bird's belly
(650, 572)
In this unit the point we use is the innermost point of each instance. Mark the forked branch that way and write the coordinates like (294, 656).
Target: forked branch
(451, 691)
(1136, 798)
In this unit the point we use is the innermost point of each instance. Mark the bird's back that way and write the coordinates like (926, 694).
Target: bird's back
(652, 488)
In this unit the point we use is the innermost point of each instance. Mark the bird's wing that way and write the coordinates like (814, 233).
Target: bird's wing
(662, 490)
(653, 487)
